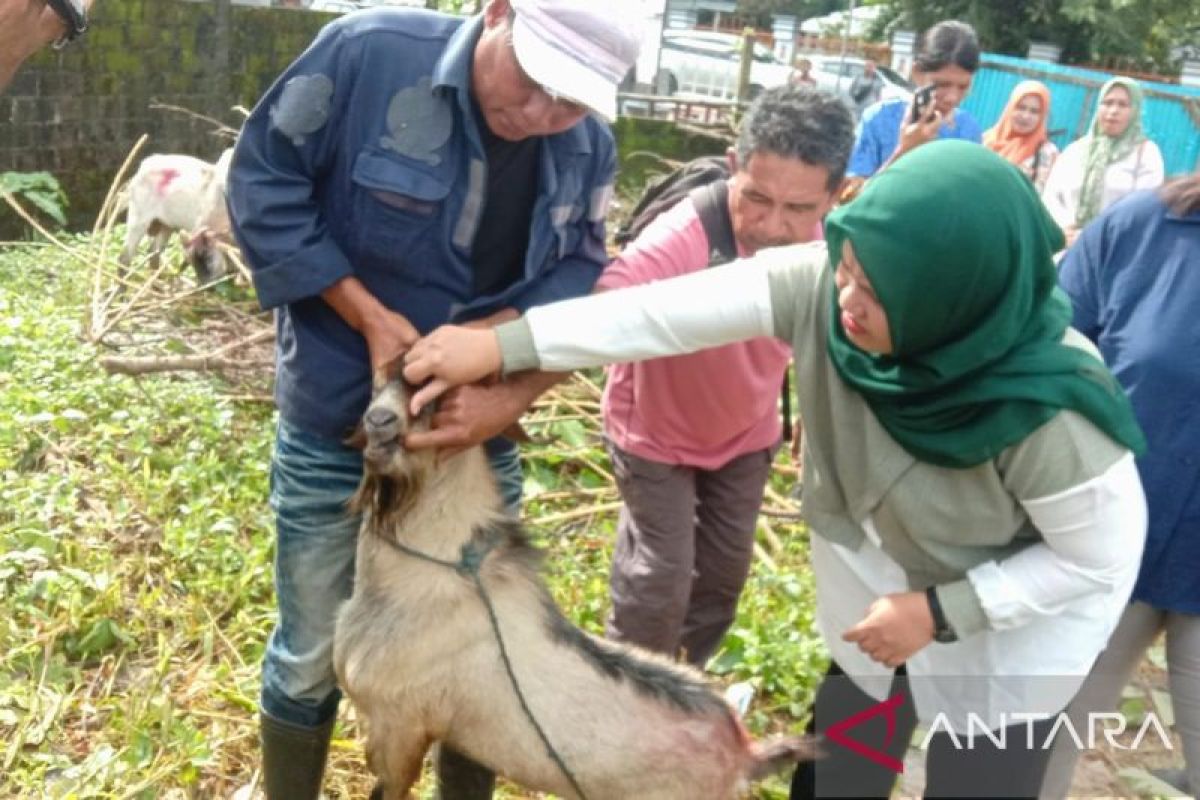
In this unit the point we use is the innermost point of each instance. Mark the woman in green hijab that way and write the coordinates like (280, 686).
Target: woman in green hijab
(1112, 160)
(968, 468)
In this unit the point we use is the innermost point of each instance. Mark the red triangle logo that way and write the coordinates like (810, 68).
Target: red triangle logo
(837, 732)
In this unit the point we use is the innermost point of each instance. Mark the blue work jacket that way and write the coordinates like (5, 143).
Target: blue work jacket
(1134, 280)
(365, 159)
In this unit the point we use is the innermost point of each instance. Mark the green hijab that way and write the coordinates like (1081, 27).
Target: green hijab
(1104, 150)
(958, 249)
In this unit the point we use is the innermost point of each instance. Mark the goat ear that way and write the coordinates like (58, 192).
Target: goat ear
(358, 439)
(388, 372)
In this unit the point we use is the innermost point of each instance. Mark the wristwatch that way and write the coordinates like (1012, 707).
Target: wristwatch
(943, 631)
(74, 15)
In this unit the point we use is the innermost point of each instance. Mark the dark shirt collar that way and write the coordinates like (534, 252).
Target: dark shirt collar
(453, 68)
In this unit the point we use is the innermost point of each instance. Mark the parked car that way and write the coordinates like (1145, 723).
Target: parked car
(705, 64)
(334, 6)
(835, 73)
(344, 6)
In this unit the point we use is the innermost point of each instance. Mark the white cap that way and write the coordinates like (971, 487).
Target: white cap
(577, 49)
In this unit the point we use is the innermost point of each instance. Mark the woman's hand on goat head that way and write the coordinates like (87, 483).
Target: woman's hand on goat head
(895, 627)
(450, 356)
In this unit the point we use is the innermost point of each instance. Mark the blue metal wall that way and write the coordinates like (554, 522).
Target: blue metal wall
(1171, 116)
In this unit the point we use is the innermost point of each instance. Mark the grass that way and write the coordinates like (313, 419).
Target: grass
(135, 566)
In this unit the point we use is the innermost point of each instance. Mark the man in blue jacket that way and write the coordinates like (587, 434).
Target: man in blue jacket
(409, 169)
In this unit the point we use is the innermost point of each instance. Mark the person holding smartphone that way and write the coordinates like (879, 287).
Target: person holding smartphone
(944, 66)
(26, 26)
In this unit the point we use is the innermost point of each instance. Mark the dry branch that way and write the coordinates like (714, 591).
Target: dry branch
(586, 511)
(219, 128)
(102, 295)
(213, 360)
(144, 365)
(25, 215)
(265, 399)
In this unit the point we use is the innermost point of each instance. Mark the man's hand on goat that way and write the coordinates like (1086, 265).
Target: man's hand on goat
(895, 627)
(388, 335)
(469, 415)
(450, 356)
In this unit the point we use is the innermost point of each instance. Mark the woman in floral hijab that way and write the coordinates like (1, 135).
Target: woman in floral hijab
(1112, 160)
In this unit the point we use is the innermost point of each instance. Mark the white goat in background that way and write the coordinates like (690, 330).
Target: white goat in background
(180, 193)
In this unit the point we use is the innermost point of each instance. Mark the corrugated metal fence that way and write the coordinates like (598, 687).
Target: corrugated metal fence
(1171, 116)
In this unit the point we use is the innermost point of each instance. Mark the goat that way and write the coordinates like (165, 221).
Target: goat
(180, 193)
(416, 649)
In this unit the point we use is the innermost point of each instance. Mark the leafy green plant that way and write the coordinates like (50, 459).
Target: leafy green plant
(41, 189)
(135, 563)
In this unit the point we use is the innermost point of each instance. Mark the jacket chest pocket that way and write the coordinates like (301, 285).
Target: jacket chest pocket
(398, 218)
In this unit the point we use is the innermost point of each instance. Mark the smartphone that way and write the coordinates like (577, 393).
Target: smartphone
(921, 100)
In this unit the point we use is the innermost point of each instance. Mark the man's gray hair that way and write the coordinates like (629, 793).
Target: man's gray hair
(799, 122)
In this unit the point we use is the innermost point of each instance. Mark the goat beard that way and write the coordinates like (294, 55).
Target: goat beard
(384, 499)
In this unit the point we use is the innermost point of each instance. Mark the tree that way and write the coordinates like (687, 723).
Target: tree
(1135, 34)
(454, 6)
(760, 11)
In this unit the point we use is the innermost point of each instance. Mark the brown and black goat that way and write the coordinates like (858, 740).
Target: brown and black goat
(419, 655)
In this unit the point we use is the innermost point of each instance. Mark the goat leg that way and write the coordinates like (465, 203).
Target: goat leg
(395, 752)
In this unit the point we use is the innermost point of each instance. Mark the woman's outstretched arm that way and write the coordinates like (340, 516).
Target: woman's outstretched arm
(682, 315)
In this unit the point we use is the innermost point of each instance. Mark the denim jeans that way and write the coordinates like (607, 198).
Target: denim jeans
(312, 478)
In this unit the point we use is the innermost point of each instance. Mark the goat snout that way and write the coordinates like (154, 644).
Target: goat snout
(382, 423)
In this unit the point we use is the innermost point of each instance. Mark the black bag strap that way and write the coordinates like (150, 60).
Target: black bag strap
(785, 400)
(667, 190)
(712, 206)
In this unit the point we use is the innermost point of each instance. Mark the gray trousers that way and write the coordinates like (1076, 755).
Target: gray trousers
(685, 540)
(1101, 692)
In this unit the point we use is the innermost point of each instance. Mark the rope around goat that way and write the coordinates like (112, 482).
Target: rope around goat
(469, 564)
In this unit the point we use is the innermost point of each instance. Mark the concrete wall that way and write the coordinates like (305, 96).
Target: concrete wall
(77, 112)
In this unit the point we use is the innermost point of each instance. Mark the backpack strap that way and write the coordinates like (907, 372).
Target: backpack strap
(712, 206)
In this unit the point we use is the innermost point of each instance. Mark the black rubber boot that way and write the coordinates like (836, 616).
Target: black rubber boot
(460, 778)
(293, 758)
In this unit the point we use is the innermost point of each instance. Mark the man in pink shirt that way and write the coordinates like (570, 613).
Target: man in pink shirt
(692, 437)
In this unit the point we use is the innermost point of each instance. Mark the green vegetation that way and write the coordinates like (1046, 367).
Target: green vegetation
(40, 189)
(1122, 34)
(135, 560)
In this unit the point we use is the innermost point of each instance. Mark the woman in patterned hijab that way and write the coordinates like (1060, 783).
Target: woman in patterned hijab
(1112, 160)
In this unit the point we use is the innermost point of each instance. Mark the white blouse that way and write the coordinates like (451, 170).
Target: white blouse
(1050, 607)
(1141, 169)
